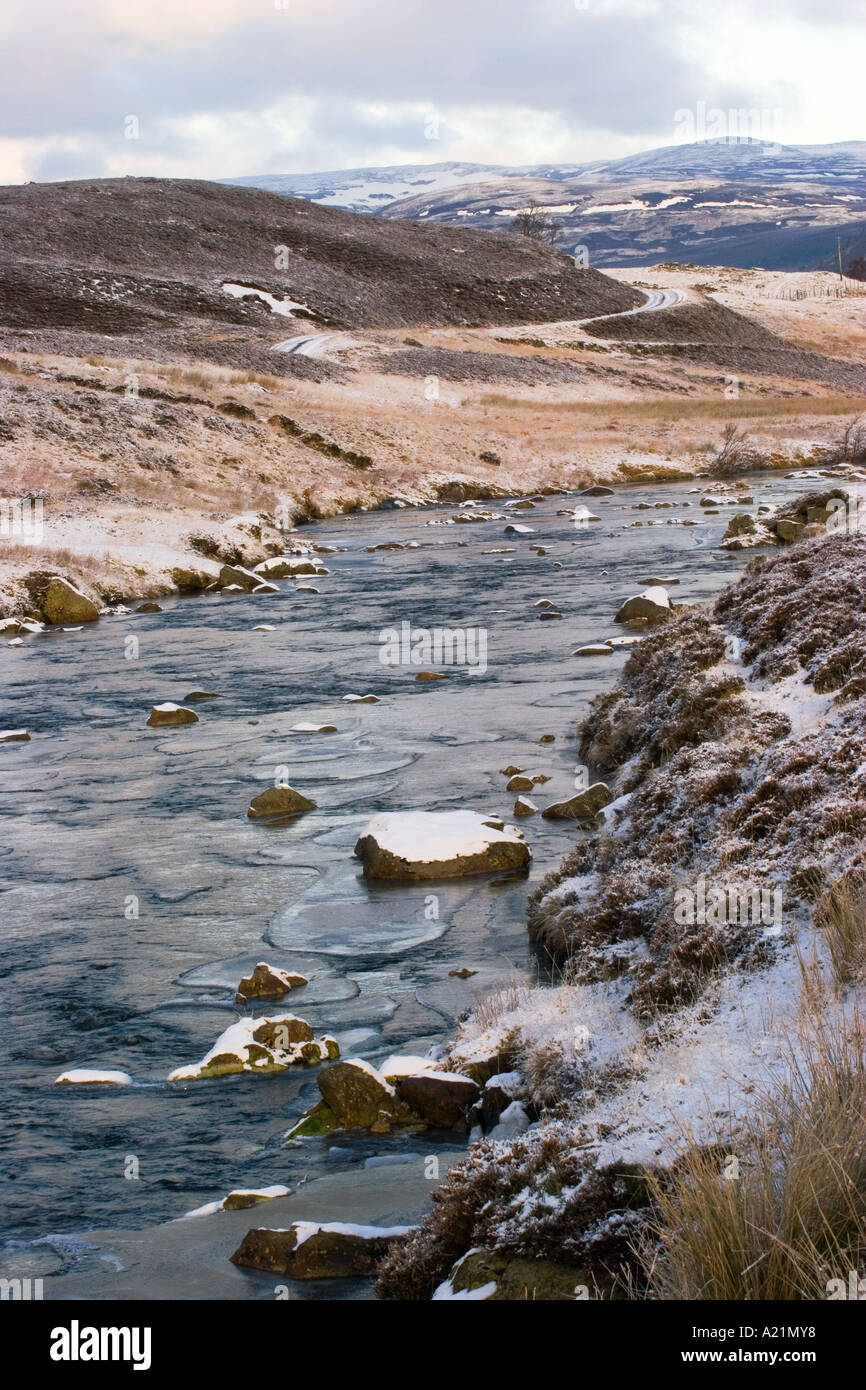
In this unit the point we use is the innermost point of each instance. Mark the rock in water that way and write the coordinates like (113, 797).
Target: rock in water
(441, 1098)
(282, 567)
(279, 801)
(148, 608)
(61, 602)
(652, 606)
(524, 807)
(585, 806)
(14, 736)
(82, 1077)
(438, 844)
(740, 524)
(235, 575)
(167, 715)
(261, 1045)
(310, 1250)
(266, 982)
(358, 1096)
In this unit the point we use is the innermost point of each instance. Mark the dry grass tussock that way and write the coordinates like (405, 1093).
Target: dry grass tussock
(781, 1211)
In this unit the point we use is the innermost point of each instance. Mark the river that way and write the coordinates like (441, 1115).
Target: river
(136, 892)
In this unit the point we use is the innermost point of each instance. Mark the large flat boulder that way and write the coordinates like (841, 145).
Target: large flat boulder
(439, 844)
(313, 1250)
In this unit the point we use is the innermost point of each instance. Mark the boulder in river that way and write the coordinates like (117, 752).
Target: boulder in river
(279, 801)
(358, 1096)
(284, 567)
(14, 736)
(524, 807)
(584, 806)
(60, 602)
(595, 649)
(438, 844)
(314, 1250)
(362, 699)
(597, 490)
(261, 1046)
(169, 715)
(652, 606)
(267, 982)
(235, 575)
(519, 783)
(441, 1098)
(149, 607)
(83, 1077)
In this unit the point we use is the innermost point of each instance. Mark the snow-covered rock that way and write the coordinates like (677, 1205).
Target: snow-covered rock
(318, 1250)
(653, 605)
(267, 982)
(81, 1076)
(438, 844)
(169, 715)
(261, 1045)
(278, 801)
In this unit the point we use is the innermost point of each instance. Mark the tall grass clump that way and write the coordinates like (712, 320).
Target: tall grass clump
(781, 1212)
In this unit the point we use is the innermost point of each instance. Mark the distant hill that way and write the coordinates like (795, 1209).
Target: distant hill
(739, 203)
(146, 261)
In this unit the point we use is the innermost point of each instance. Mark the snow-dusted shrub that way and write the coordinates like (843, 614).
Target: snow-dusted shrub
(538, 1196)
(740, 735)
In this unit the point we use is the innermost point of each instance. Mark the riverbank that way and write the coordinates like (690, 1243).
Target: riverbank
(147, 476)
(690, 1070)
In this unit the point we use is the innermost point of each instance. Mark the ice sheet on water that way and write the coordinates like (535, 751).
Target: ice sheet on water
(358, 927)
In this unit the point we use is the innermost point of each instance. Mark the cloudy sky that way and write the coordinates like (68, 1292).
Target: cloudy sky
(222, 88)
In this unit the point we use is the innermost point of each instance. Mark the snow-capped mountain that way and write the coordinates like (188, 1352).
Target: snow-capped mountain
(732, 202)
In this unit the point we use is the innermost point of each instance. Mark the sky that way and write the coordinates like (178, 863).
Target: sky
(226, 88)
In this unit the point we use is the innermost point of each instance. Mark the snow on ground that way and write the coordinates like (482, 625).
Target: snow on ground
(285, 307)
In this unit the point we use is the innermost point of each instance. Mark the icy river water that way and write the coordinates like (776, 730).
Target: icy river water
(136, 893)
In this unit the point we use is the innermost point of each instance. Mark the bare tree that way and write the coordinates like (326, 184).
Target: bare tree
(537, 224)
(735, 454)
(852, 447)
